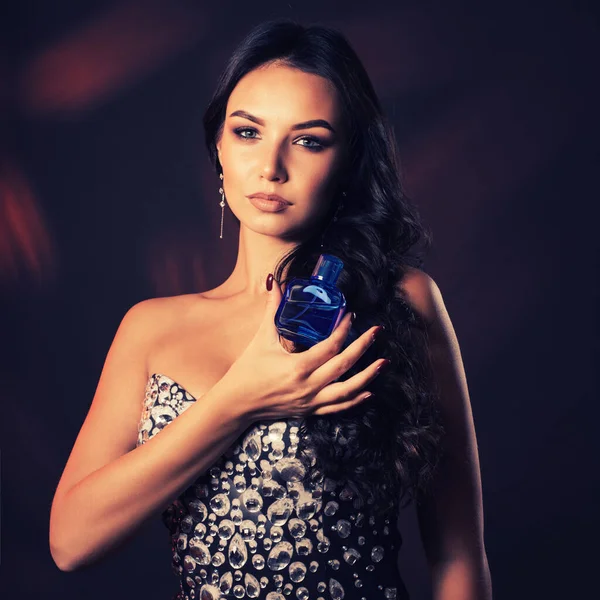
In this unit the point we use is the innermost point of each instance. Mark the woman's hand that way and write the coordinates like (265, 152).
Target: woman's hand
(277, 384)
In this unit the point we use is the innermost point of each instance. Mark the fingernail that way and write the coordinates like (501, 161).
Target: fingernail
(269, 282)
(353, 317)
(377, 330)
(383, 365)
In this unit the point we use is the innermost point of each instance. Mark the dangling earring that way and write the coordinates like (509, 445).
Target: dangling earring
(222, 205)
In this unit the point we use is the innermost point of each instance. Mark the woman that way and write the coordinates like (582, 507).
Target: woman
(275, 475)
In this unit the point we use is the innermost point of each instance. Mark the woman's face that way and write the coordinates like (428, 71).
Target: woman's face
(282, 135)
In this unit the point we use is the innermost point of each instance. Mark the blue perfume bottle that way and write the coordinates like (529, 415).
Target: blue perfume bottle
(311, 308)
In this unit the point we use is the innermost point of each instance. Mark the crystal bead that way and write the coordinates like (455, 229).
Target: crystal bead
(279, 512)
(209, 592)
(276, 533)
(258, 562)
(226, 529)
(324, 543)
(343, 528)
(331, 508)
(351, 556)
(226, 582)
(377, 553)
(238, 553)
(220, 504)
(218, 559)
(297, 527)
(336, 589)
(199, 551)
(252, 586)
(297, 571)
(252, 500)
(248, 530)
(280, 556)
(304, 546)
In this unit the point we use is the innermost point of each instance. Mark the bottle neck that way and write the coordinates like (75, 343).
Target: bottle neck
(321, 280)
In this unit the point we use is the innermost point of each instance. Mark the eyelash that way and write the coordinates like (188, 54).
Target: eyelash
(315, 148)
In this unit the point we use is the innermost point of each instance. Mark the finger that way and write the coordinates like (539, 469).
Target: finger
(340, 406)
(343, 391)
(274, 297)
(361, 379)
(316, 355)
(337, 364)
(342, 314)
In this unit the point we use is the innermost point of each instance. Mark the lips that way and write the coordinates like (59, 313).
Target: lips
(268, 205)
(272, 197)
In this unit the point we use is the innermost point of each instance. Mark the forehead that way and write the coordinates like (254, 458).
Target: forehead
(278, 92)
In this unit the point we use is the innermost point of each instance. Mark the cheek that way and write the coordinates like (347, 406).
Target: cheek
(236, 162)
(322, 182)
(318, 173)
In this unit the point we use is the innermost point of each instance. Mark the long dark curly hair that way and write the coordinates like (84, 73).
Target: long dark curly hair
(386, 448)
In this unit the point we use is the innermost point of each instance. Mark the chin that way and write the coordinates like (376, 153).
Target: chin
(285, 231)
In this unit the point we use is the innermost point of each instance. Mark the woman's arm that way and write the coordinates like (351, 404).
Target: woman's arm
(109, 488)
(451, 515)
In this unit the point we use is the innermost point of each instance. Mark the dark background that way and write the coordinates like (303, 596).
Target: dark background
(107, 198)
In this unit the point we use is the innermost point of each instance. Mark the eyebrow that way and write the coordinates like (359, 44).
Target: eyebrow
(304, 125)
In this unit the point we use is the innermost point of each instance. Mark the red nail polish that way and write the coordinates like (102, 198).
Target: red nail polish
(383, 365)
(269, 282)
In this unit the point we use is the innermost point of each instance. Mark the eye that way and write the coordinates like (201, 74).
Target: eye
(316, 144)
(249, 133)
(240, 130)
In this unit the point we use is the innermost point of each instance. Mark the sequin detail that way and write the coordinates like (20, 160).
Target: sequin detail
(254, 526)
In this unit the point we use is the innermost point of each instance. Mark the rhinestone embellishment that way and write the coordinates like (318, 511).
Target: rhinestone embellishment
(254, 526)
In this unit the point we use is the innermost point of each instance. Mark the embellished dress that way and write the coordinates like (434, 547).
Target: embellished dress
(250, 527)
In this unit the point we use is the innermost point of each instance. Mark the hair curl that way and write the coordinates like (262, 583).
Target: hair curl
(387, 447)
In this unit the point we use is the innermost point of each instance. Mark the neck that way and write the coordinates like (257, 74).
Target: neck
(258, 255)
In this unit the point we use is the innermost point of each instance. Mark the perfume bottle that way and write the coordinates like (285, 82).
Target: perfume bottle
(311, 308)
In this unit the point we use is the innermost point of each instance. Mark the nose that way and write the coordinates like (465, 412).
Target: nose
(273, 168)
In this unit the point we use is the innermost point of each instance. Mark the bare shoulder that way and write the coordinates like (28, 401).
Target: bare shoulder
(423, 294)
(421, 291)
(154, 307)
(110, 428)
(150, 318)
